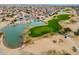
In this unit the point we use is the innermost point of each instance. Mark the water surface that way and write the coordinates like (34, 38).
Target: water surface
(13, 33)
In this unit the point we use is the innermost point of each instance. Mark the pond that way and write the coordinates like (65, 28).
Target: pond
(36, 22)
(13, 34)
(62, 12)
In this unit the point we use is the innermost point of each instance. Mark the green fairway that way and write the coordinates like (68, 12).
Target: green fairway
(63, 17)
(38, 31)
(53, 23)
(53, 26)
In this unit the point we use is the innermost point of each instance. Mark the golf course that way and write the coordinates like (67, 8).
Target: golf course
(52, 26)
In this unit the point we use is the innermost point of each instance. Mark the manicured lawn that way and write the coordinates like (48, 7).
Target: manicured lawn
(53, 26)
(38, 31)
(63, 17)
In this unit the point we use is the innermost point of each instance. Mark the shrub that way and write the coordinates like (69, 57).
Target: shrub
(67, 29)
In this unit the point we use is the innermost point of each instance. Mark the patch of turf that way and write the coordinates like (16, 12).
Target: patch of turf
(53, 26)
(39, 31)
